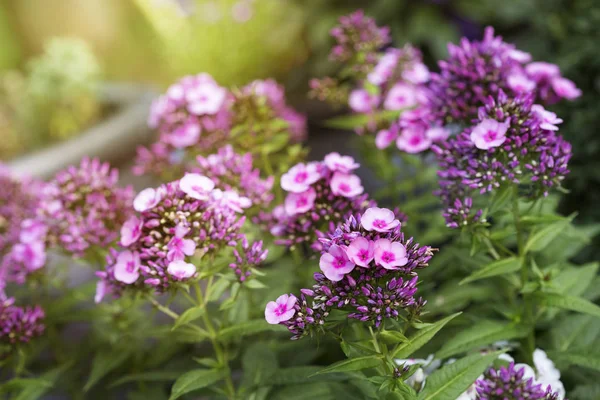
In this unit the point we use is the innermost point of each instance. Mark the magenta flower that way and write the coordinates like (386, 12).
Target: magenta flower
(400, 96)
(32, 255)
(231, 199)
(101, 291)
(390, 255)
(280, 310)
(127, 267)
(489, 133)
(437, 134)
(361, 251)
(299, 178)
(345, 164)
(131, 231)
(519, 56)
(185, 135)
(542, 70)
(565, 88)
(362, 101)
(181, 270)
(385, 137)
(147, 199)
(413, 140)
(549, 119)
(346, 185)
(519, 83)
(196, 186)
(335, 263)
(19, 324)
(179, 247)
(298, 203)
(384, 68)
(379, 219)
(205, 96)
(416, 73)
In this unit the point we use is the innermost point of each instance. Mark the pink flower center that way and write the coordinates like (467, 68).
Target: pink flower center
(344, 187)
(339, 262)
(490, 136)
(130, 267)
(302, 201)
(363, 255)
(401, 98)
(300, 177)
(379, 223)
(281, 309)
(415, 140)
(388, 256)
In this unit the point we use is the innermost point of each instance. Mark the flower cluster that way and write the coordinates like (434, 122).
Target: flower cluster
(250, 256)
(232, 171)
(80, 208)
(368, 269)
(318, 192)
(475, 70)
(19, 324)
(180, 220)
(521, 381)
(513, 141)
(196, 116)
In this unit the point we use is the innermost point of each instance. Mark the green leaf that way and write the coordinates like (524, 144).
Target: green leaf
(585, 392)
(188, 316)
(352, 364)
(248, 328)
(575, 330)
(421, 337)
(302, 374)
(453, 379)
(151, 376)
(500, 267)
(259, 364)
(357, 120)
(581, 358)
(277, 143)
(538, 241)
(104, 362)
(194, 380)
(46, 382)
(575, 280)
(392, 337)
(567, 302)
(479, 335)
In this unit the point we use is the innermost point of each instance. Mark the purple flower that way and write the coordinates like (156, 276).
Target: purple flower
(335, 263)
(390, 255)
(400, 96)
(247, 258)
(281, 309)
(196, 186)
(413, 141)
(179, 247)
(299, 203)
(299, 178)
(19, 324)
(489, 133)
(385, 137)
(181, 270)
(357, 34)
(127, 267)
(346, 185)
(231, 199)
(338, 163)
(131, 231)
(362, 101)
(147, 199)
(565, 88)
(361, 251)
(204, 96)
(379, 219)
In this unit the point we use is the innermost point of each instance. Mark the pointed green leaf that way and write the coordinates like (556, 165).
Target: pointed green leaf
(538, 241)
(188, 316)
(103, 363)
(248, 328)
(352, 364)
(567, 302)
(151, 376)
(449, 382)
(194, 380)
(575, 330)
(421, 337)
(581, 358)
(392, 337)
(575, 280)
(43, 385)
(479, 335)
(500, 267)
(357, 120)
(303, 374)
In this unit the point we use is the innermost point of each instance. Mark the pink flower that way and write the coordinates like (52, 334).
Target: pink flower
(299, 203)
(489, 133)
(196, 186)
(390, 255)
(520, 83)
(384, 68)
(379, 219)
(231, 199)
(299, 178)
(416, 73)
(549, 119)
(361, 251)
(400, 96)
(30, 254)
(280, 310)
(385, 137)
(205, 97)
(147, 199)
(542, 70)
(565, 88)
(346, 185)
(335, 264)
(131, 231)
(32, 230)
(181, 269)
(179, 247)
(519, 56)
(413, 140)
(101, 289)
(336, 162)
(185, 136)
(127, 267)
(437, 133)
(361, 101)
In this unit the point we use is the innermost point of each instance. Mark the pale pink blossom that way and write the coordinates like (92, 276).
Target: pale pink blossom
(379, 219)
(196, 186)
(101, 290)
(32, 230)
(362, 101)
(184, 136)
(335, 264)
(549, 119)
(205, 97)
(542, 70)
(147, 199)
(127, 268)
(361, 251)
(179, 247)
(299, 178)
(566, 88)
(346, 185)
(181, 269)
(520, 83)
(416, 73)
(400, 96)
(31, 254)
(413, 140)
(384, 68)
(385, 137)
(337, 162)
(489, 133)
(437, 133)
(299, 203)
(390, 255)
(280, 310)
(131, 231)
(231, 199)
(519, 56)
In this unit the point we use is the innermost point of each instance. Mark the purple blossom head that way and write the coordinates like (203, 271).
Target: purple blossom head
(357, 34)
(19, 324)
(247, 257)
(318, 193)
(369, 273)
(512, 142)
(177, 224)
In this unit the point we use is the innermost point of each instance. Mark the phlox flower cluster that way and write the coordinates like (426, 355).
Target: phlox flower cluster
(247, 258)
(317, 192)
(475, 70)
(368, 269)
(196, 116)
(19, 324)
(174, 223)
(513, 141)
(81, 208)
(235, 172)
